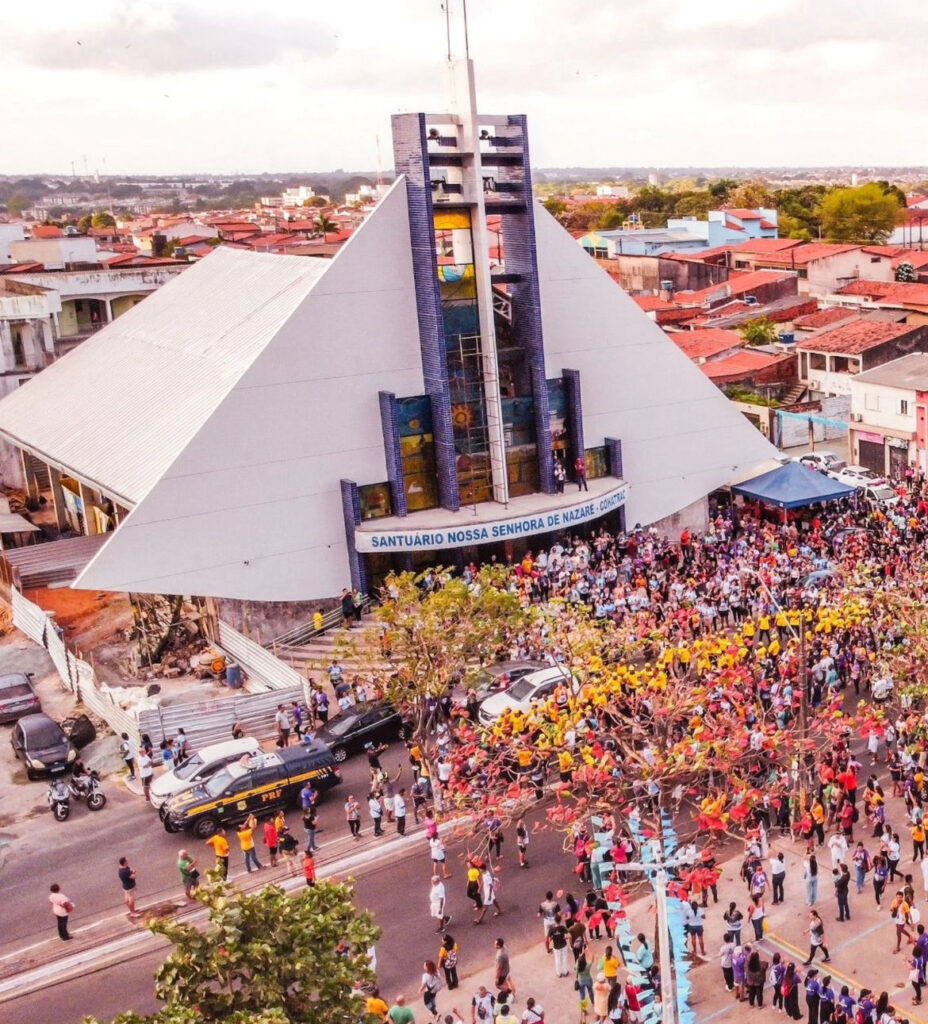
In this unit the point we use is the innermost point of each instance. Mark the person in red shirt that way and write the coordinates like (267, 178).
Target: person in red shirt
(309, 868)
(848, 780)
(271, 840)
(847, 819)
(634, 1003)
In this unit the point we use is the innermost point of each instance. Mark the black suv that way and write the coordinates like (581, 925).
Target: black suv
(365, 722)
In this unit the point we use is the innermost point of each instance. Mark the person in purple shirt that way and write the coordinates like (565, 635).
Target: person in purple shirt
(813, 995)
(738, 963)
(847, 1002)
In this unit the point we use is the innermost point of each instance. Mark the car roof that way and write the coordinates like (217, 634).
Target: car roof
(316, 749)
(500, 668)
(228, 748)
(544, 674)
(14, 678)
(362, 706)
(36, 721)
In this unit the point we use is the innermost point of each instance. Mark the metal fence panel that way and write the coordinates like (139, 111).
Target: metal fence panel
(260, 664)
(59, 654)
(101, 704)
(211, 721)
(28, 617)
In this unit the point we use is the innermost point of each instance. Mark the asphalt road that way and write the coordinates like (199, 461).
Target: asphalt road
(82, 853)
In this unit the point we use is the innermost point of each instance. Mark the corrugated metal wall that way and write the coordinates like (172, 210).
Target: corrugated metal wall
(210, 721)
(260, 664)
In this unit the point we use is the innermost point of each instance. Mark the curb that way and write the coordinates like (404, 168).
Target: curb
(105, 950)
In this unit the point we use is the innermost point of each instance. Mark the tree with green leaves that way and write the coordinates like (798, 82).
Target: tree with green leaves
(437, 627)
(16, 203)
(101, 219)
(266, 958)
(556, 207)
(750, 195)
(759, 332)
(905, 272)
(863, 214)
(324, 225)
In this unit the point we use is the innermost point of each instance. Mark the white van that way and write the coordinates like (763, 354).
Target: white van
(524, 692)
(200, 766)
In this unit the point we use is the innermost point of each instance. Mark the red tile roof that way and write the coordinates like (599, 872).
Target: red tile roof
(705, 342)
(912, 200)
(46, 231)
(649, 303)
(825, 317)
(895, 292)
(735, 306)
(805, 253)
(855, 337)
(18, 268)
(762, 245)
(738, 283)
(741, 213)
(899, 254)
(745, 362)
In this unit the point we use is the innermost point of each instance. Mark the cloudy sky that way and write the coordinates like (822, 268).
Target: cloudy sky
(161, 86)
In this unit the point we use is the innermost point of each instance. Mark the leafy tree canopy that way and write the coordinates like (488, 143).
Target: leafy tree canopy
(265, 958)
(759, 332)
(864, 214)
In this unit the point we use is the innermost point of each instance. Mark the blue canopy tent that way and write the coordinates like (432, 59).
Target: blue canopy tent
(793, 485)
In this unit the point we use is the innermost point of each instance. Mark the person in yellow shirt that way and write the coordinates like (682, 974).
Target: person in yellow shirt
(246, 839)
(609, 964)
(375, 1006)
(220, 846)
(918, 841)
(565, 765)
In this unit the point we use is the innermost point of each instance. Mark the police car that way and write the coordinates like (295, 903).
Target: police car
(256, 784)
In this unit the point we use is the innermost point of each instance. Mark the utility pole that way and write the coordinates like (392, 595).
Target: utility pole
(803, 701)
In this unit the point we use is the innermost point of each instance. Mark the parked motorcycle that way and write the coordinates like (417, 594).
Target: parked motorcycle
(59, 799)
(85, 785)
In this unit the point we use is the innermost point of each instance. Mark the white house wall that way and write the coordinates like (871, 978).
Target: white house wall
(681, 438)
(267, 464)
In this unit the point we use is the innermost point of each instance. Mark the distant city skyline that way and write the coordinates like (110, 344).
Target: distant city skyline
(139, 87)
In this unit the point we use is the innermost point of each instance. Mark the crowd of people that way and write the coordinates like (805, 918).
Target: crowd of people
(760, 641)
(725, 677)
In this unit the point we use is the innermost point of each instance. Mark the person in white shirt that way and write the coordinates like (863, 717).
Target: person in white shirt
(399, 811)
(837, 843)
(534, 1012)
(777, 876)
(437, 904)
(437, 851)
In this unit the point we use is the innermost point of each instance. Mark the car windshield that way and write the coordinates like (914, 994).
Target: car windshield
(884, 493)
(45, 735)
(219, 783)
(522, 688)
(189, 767)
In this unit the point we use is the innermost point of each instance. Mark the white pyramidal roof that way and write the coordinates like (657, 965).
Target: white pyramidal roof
(124, 404)
(227, 407)
(681, 437)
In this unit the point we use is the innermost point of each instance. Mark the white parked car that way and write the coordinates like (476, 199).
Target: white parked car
(882, 493)
(826, 462)
(200, 766)
(524, 692)
(857, 476)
